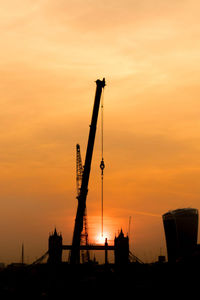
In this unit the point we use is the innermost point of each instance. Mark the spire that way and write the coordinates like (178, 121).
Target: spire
(22, 253)
(121, 233)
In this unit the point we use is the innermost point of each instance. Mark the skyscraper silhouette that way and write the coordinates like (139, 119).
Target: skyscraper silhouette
(181, 228)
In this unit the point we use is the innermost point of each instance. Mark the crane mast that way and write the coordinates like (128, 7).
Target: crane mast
(79, 169)
(78, 227)
(84, 234)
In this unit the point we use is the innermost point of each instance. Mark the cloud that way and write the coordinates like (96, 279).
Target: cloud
(90, 16)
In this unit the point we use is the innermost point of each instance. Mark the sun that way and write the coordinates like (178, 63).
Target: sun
(100, 239)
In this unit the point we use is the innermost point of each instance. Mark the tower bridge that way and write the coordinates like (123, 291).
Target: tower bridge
(120, 248)
(122, 254)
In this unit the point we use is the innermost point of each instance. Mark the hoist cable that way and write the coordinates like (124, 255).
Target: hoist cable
(102, 123)
(102, 165)
(102, 206)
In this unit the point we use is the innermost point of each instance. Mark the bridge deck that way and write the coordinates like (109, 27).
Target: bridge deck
(90, 247)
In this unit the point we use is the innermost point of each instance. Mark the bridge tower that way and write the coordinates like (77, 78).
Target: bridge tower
(121, 249)
(55, 248)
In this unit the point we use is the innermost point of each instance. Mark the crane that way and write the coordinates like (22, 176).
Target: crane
(79, 169)
(84, 234)
(78, 226)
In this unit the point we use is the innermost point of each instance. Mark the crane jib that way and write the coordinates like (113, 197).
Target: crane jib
(78, 227)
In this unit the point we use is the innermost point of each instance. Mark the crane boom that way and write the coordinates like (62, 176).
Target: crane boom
(78, 227)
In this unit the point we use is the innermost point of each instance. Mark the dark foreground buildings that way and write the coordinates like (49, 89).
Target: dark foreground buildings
(181, 229)
(58, 280)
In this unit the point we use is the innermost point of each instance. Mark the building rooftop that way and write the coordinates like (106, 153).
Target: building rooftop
(180, 211)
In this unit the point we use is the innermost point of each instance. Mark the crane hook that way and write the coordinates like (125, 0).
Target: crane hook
(102, 166)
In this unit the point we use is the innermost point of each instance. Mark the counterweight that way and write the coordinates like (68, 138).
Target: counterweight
(78, 227)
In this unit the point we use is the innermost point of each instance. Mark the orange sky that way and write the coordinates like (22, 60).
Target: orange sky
(51, 54)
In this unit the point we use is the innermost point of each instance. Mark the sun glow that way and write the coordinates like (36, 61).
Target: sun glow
(100, 239)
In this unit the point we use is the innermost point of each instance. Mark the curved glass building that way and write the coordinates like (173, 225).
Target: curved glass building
(181, 230)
